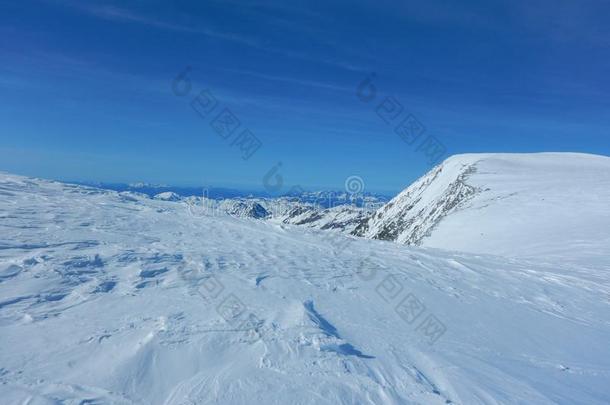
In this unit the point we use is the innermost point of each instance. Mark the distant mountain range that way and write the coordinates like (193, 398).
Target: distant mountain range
(325, 198)
(153, 189)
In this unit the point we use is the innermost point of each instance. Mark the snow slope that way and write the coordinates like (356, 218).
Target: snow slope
(506, 204)
(115, 298)
(344, 218)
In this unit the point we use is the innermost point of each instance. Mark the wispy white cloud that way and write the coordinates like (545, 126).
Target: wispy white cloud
(334, 62)
(283, 7)
(291, 80)
(44, 69)
(121, 14)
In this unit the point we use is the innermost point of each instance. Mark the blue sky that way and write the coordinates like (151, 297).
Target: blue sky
(86, 87)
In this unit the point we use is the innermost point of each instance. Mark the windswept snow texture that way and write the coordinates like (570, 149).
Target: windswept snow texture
(114, 298)
(506, 204)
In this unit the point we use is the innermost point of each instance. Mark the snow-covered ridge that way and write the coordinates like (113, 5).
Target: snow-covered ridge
(413, 214)
(168, 196)
(280, 210)
(508, 204)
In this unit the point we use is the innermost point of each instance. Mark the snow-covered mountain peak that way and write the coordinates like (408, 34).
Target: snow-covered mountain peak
(167, 196)
(502, 204)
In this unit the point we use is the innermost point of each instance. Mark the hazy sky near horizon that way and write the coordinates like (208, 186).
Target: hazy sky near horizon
(87, 88)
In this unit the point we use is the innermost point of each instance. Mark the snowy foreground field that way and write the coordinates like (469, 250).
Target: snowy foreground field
(109, 298)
